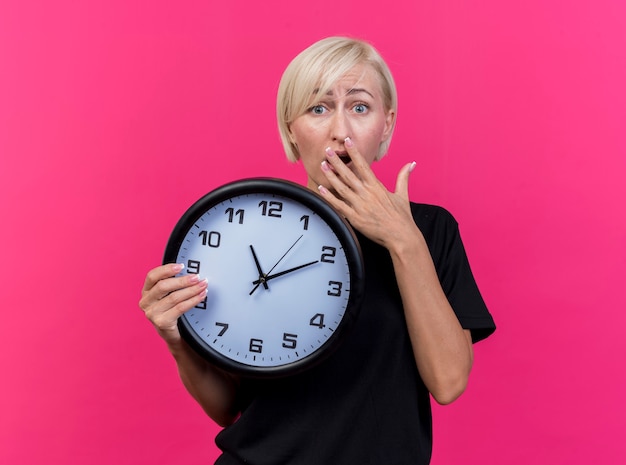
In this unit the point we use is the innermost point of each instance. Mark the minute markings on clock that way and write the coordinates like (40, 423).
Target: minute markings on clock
(231, 254)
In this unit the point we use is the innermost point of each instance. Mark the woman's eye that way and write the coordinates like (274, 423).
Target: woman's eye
(360, 108)
(318, 110)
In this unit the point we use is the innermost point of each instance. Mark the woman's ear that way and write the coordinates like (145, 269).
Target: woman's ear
(292, 138)
(390, 120)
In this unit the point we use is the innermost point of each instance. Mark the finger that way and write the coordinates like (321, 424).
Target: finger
(338, 169)
(343, 190)
(165, 313)
(161, 272)
(359, 162)
(168, 285)
(183, 299)
(351, 182)
(359, 171)
(402, 182)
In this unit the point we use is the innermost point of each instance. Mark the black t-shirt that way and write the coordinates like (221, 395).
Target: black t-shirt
(366, 404)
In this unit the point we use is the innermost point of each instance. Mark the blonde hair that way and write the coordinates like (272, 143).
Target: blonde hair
(315, 70)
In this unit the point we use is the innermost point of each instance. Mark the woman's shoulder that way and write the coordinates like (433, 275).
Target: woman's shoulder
(427, 215)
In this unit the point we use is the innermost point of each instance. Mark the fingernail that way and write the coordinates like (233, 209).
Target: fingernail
(412, 167)
(329, 152)
(322, 190)
(325, 166)
(194, 278)
(348, 142)
(178, 267)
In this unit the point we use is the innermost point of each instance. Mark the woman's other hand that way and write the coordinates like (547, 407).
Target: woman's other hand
(165, 297)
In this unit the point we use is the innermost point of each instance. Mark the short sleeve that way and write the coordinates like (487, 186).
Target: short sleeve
(441, 232)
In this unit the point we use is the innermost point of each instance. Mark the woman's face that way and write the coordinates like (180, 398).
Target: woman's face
(352, 108)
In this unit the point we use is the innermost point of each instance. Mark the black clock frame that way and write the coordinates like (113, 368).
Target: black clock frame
(343, 231)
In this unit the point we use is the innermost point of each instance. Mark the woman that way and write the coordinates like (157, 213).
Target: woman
(369, 402)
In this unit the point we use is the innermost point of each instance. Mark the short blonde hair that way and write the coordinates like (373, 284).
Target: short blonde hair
(316, 70)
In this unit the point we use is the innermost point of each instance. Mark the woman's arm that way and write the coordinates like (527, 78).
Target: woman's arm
(442, 349)
(164, 299)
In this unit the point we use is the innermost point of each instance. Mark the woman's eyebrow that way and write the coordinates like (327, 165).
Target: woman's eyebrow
(357, 90)
(354, 90)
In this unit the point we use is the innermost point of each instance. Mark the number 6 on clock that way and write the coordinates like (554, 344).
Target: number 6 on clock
(301, 259)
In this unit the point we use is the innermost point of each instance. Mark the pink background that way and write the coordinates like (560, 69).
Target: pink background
(115, 115)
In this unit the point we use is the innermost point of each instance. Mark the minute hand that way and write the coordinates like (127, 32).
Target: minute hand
(276, 275)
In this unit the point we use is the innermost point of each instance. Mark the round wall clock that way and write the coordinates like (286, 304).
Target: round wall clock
(285, 276)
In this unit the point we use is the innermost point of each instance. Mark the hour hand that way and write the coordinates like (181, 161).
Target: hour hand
(262, 276)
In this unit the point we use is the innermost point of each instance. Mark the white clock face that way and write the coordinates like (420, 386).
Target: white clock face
(279, 279)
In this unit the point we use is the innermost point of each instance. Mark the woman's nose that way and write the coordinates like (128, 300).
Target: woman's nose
(340, 126)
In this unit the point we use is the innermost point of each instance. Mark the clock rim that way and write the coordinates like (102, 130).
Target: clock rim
(340, 227)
